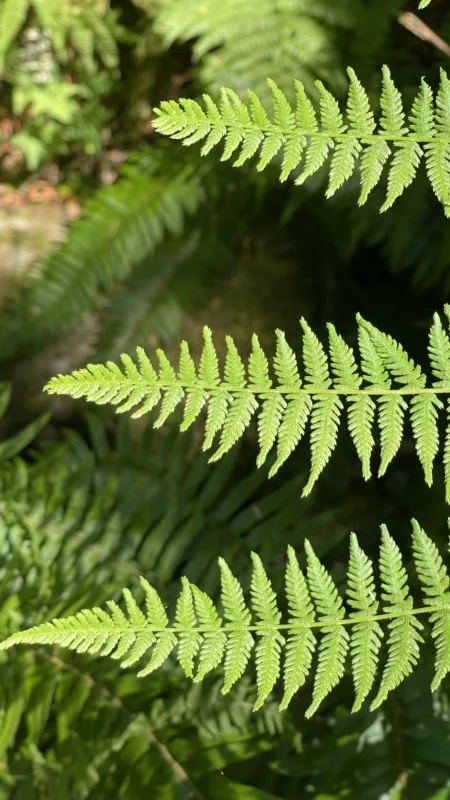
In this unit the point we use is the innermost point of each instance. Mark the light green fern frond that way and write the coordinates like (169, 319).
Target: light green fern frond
(203, 641)
(386, 386)
(424, 3)
(305, 143)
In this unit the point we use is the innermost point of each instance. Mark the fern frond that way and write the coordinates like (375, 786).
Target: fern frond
(304, 144)
(200, 637)
(238, 44)
(78, 524)
(385, 385)
(121, 226)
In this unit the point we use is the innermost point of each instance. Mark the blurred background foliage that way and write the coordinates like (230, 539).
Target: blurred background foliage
(110, 237)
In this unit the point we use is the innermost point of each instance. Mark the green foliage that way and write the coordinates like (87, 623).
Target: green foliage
(89, 517)
(404, 743)
(12, 17)
(84, 26)
(284, 409)
(42, 44)
(297, 133)
(9, 448)
(198, 629)
(55, 100)
(86, 513)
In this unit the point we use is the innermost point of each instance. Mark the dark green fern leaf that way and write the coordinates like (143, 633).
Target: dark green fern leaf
(238, 44)
(121, 226)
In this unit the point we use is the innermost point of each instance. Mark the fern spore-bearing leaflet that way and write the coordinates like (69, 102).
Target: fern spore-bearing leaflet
(384, 387)
(205, 637)
(306, 141)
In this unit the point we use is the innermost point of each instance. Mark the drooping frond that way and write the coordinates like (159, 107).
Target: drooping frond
(305, 141)
(238, 44)
(386, 386)
(202, 640)
(121, 226)
(424, 3)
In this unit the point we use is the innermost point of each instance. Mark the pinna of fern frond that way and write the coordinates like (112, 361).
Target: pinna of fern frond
(306, 140)
(318, 639)
(384, 387)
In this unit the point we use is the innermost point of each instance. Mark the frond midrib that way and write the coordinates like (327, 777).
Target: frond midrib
(290, 133)
(230, 628)
(226, 387)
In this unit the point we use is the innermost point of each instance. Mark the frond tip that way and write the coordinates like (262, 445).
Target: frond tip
(306, 141)
(203, 639)
(383, 388)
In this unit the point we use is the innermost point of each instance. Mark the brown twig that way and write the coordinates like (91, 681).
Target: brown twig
(422, 31)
